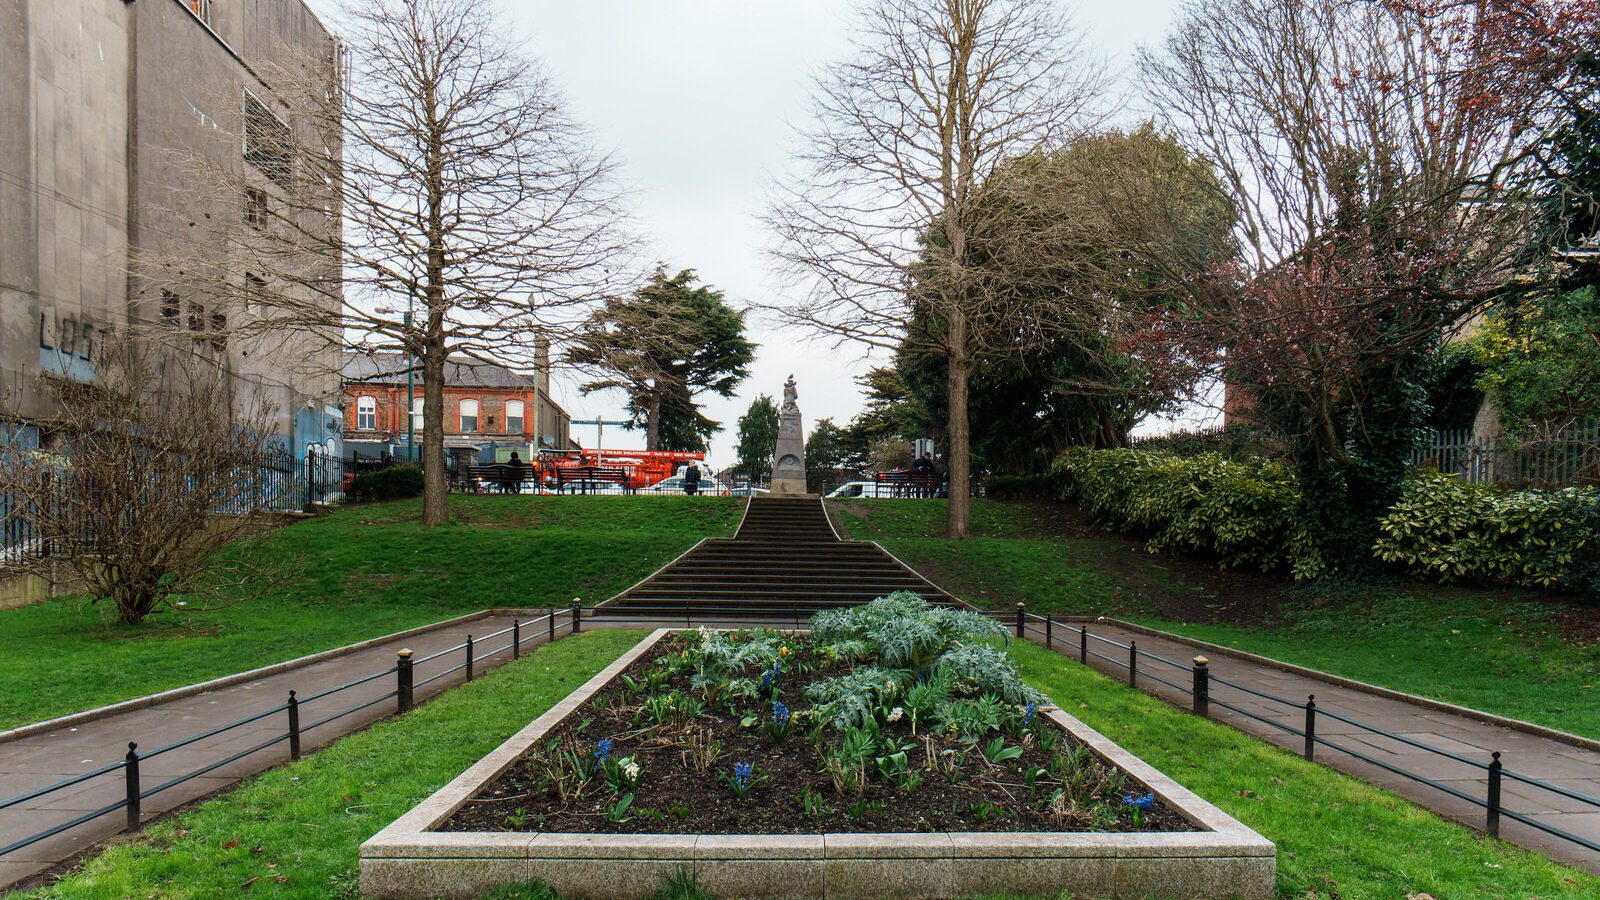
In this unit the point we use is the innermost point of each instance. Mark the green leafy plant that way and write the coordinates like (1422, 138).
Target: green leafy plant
(996, 751)
(971, 719)
(618, 811)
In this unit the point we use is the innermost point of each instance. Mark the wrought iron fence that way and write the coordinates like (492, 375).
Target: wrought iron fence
(1197, 682)
(1560, 457)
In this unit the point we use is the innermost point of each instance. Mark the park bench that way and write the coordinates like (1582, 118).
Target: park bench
(908, 483)
(591, 479)
(497, 476)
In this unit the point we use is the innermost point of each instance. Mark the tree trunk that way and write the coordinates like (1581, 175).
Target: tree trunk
(435, 511)
(652, 423)
(959, 463)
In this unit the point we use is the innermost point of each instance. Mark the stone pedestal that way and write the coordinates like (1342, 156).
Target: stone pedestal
(789, 459)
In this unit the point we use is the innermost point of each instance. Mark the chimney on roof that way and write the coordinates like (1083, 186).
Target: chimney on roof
(541, 365)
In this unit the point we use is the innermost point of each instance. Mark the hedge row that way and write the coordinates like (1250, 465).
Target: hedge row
(1446, 529)
(1243, 514)
(1240, 512)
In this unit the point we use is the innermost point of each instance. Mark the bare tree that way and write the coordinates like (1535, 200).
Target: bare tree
(888, 227)
(1378, 155)
(144, 476)
(430, 198)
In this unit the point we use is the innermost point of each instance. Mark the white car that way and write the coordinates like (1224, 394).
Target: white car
(708, 486)
(878, 490)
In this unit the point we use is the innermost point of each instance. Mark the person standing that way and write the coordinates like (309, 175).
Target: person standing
(691, 479)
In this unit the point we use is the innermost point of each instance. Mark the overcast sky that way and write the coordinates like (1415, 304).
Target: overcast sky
(697, 99)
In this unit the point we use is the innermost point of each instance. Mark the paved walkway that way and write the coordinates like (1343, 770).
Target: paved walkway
(1566, 765)
(39, 760)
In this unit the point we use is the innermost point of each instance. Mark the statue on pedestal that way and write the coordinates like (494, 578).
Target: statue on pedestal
(789, 459)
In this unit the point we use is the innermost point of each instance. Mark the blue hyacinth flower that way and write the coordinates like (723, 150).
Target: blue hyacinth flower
(1145, 802)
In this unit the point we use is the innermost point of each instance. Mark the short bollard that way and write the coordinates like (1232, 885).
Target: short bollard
(469, 657)
(402, 670)
(1133, 664)
(1049, 632)
(577, 615)
(1311, 725)
(1083, 644)
(294, 726)
(130, 773)
(516, 639)
(1202, 687)
(1022, 610)
(1493, 809)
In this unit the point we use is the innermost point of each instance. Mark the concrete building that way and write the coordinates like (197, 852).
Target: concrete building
(490, 411)
(101, 101)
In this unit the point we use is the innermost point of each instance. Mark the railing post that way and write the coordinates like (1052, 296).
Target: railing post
(1133, 664)
(1202, 687)
(1493, 810)
(1049, 632)
(130, 772)
(469, 657)
(403, 672)
(516, 639)
(1311, 726)
(294, 726)
(577, 615)
(1083, 643)
(1022, 610)
(550, 618)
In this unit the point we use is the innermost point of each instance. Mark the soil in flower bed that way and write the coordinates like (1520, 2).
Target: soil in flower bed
(1054, 784)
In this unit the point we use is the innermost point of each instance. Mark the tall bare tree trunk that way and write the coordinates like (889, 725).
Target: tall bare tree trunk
(434, 509)
(959, 459)
(652, 425)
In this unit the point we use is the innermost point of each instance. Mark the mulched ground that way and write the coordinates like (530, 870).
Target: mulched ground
(672, 798)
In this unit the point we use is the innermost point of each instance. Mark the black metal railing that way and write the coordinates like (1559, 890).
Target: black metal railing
(469, 653)
(1202, 691)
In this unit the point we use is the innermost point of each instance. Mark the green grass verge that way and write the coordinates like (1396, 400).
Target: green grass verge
(357, 573)
(1336, 836)
(1496, 650)
(294, 831)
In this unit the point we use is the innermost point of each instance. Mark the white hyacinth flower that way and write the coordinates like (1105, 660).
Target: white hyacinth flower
(631, 770)
(895, 714)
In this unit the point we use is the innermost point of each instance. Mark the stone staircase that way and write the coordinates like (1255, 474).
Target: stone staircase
(784, 561)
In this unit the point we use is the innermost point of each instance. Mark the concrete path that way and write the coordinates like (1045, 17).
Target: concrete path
(1574, 768)
(32, 762)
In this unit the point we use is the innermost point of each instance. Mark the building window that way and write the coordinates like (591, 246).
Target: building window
(255, 208)
(366, 414)
(514, 417)
(197, 317)
(219, 332)
(170, 309)
(469, 416)
(267, 141)
(416, 413)
(255, 290)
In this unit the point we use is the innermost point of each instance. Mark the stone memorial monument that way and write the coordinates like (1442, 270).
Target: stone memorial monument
(789, 460)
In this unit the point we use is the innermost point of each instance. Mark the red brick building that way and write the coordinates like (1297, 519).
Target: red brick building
(485, 407)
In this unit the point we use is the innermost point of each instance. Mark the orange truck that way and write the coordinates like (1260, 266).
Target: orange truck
(644, 467)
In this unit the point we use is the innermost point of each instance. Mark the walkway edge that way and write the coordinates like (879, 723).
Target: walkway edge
(189, 690)
(1565, 737)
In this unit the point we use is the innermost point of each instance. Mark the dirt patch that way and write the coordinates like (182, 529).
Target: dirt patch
(956, 789)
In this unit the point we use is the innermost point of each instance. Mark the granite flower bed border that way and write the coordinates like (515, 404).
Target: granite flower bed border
(409, 859)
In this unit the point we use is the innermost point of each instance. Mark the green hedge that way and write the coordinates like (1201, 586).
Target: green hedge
(1242, 513)
(1446, 529)
(392, 483)
(1023, 487)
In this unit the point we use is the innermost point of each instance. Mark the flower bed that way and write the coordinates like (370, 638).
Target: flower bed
(892, 751)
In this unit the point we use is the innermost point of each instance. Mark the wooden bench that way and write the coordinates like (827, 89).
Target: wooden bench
(587, 479)
(909, 483)
(501, 476)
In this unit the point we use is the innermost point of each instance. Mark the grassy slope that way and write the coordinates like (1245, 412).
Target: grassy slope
(293, 831)
(1492, 650)
(358, 573)
(297, 828)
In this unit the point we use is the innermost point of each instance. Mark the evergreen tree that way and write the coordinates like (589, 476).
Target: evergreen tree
(758, 437)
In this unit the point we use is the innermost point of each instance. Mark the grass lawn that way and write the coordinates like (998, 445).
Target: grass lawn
(1516, 653)
(359, 572)
(294, 831)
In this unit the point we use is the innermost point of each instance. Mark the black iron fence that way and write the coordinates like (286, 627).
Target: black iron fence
(404, 672)
(1196, 681)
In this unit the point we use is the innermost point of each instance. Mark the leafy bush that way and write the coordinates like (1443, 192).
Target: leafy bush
(392, 483)
(975, 669)
(902, 630)
(1447, 529)
(1242, 513)
(1023, 487)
